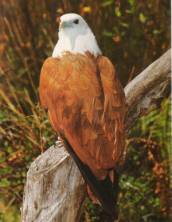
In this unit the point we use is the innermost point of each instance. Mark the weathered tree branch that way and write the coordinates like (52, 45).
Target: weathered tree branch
(145, 92)
(55, 190)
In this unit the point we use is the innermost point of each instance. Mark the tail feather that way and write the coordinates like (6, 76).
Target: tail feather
(103, 190)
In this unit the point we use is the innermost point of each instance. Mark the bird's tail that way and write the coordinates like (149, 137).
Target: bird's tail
(104, 190)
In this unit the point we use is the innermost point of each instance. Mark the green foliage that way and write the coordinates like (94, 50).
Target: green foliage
(139, 199)
(8, 213)
(133, 34)
(23, 137)
(140, 178)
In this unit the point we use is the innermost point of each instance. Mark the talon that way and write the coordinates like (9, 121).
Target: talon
(92, 196)
(59, 142)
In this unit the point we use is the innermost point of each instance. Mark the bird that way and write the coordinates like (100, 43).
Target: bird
(86, 106)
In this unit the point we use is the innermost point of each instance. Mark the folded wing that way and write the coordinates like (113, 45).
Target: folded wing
(86, 104)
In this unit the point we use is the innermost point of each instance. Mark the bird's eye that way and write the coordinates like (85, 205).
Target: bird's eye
(76, 21)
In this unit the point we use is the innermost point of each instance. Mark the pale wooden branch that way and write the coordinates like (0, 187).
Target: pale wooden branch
(145, 92)
(54, 189)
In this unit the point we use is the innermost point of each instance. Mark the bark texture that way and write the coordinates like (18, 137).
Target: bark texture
(55, 190)
(146, 91)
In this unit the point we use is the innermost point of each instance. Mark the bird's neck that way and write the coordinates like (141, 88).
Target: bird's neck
(76, 43)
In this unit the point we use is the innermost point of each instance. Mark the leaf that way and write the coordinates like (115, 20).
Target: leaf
(107, 3)
(117, 12)
(87, 9)
(131, 2)
(142, 18)
(107, 33)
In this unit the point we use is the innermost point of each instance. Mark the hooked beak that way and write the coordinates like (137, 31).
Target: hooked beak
(64, 25)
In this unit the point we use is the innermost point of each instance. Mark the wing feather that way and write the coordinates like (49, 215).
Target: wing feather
(114, 106)
(86, 104)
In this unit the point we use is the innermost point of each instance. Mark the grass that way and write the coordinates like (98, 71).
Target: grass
(28, 35)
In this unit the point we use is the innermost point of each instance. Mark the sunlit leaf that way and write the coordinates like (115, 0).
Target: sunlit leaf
(117, 11)
(106, 3)
(107, 33)
(142, 18)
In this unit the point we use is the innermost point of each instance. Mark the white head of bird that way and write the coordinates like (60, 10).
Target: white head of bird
(75, 36)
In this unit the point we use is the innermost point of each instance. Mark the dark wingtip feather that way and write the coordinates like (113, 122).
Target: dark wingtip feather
(103, 190)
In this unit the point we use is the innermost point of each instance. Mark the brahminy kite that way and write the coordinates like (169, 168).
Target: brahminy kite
(86, 106)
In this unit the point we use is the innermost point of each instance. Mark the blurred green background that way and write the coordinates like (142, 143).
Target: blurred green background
(133, 33)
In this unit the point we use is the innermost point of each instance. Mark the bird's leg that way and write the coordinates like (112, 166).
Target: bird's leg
(59, 142)
(112, 176)
(92, 196)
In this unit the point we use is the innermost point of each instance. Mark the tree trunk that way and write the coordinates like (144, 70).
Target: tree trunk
(55, 190)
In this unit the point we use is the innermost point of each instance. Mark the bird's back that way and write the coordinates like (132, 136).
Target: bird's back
(86, 105)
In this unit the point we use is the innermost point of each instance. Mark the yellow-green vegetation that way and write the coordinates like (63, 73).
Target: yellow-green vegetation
(144, 181)
(9, 213)
(133, 34)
